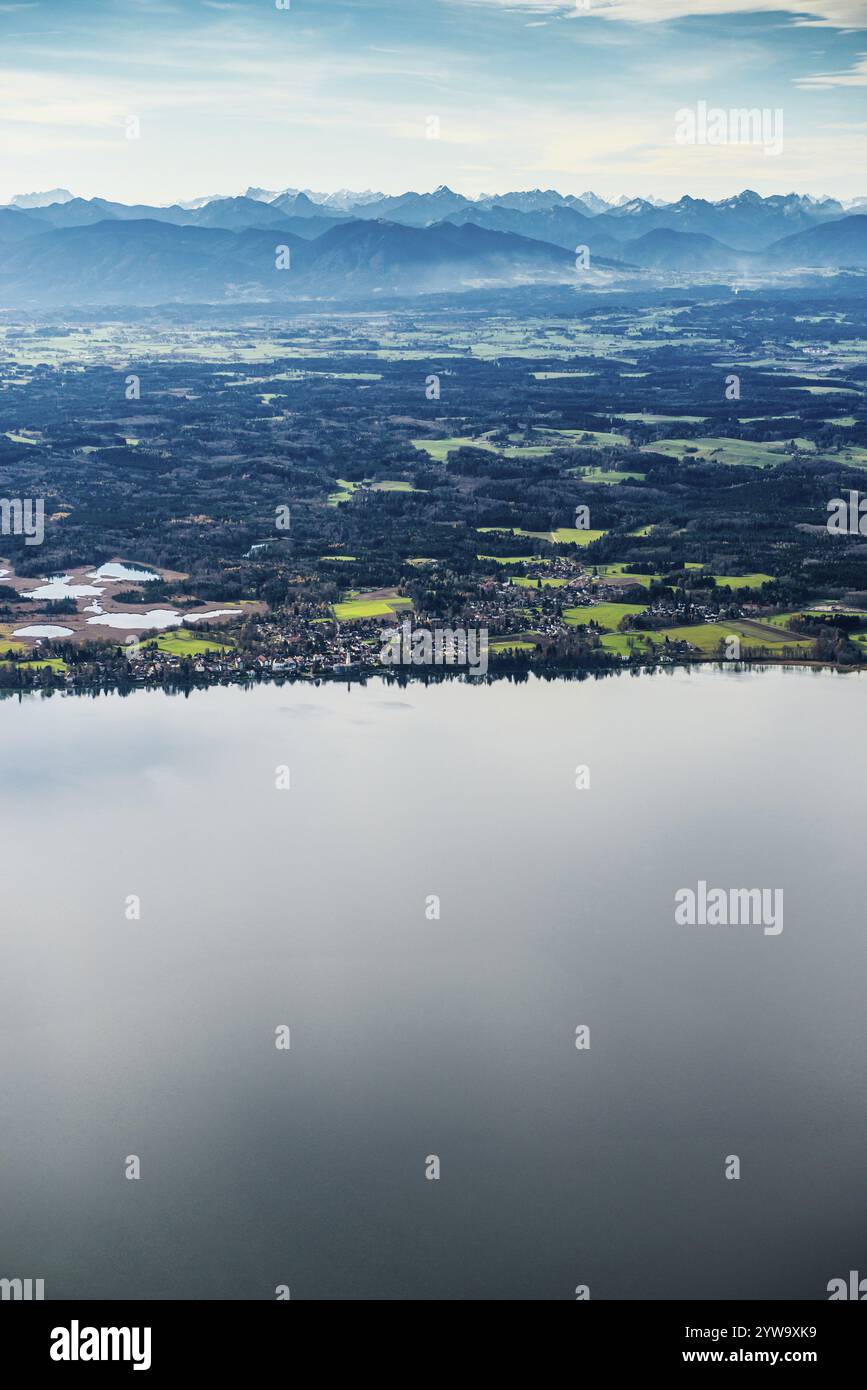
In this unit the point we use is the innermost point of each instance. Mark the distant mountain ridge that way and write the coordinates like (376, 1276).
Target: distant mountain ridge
(86, 250)
(41, 200)
(745, 222)
(148, 262)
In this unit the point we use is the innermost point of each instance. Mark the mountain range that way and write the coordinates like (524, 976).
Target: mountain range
(61, 249)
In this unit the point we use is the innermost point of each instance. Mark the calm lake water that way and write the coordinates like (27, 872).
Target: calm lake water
(454, 1037)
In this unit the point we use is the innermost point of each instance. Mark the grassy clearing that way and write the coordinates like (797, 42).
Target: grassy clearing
(742, 581)
(825, 390)
(439, 449)
(367, 607)
(52, 663)
(600, 439)
(624, 643)
(8, 643)
(622, 571)
(707, 636)
(564, 535)
(608, 615)
(181, 641)
(560, 376)
(641, 418)
(344, 495)
(731, 452)
(781, 620)
(606, 475)
(511, 559)
(855, 455)
(511, 644)
(571, 535)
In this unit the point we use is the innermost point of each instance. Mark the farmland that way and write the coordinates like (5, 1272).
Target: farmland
(460, 504)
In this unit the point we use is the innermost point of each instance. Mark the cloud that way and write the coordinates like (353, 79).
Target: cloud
(838, 14)
(28, 98)
(821, 81)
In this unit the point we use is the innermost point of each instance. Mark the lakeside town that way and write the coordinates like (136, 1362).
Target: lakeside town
(581, 620)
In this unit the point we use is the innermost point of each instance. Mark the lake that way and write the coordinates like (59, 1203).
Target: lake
(413, 1036)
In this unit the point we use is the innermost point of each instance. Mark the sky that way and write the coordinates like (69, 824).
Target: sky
(483, 95)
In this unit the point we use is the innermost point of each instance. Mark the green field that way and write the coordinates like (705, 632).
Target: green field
(707, 636)
(621, 571)
(511, 644)
(345, 493)
(853, 454)
(600, 439)
(624, 643)
(606, 615)
(564, 535)
(826, 390)
(570, 535)
(439, 449)
(180, 641)
(781, 620)
(646, 419)
(732, 452)
(53, 663)
(742, 581)
(605, 475)
(369, 608)
(8, 643)
(559, 376)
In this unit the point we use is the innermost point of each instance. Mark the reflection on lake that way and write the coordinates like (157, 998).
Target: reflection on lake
(118, 571)
(414, 1034)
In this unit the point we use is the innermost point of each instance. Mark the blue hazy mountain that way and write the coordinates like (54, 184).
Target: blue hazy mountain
(148, 262)
(840, 243)
(78, 250)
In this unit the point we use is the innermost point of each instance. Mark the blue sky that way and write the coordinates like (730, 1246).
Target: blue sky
(334, 93)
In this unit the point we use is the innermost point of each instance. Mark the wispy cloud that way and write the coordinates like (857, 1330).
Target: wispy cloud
(839, 14)
(854, 77)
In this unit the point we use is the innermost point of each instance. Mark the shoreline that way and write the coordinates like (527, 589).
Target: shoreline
(430, 675)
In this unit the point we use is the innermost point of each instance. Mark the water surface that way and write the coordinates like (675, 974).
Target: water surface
(412, 1037)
